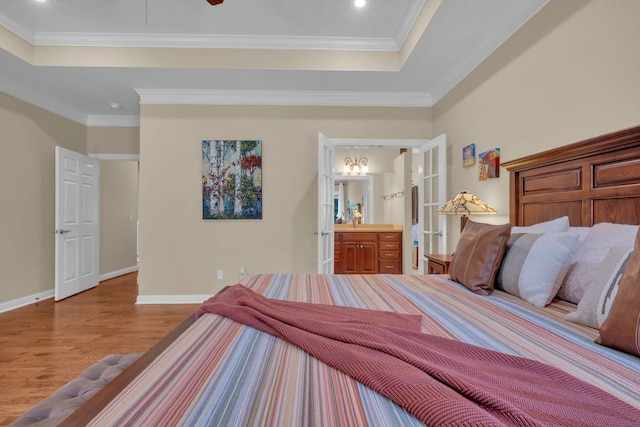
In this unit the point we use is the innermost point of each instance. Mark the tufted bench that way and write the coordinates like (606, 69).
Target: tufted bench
(52, 410)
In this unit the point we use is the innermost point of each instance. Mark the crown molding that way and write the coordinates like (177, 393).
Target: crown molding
(214, 41)
(113, 121)
(413, 10)
(205, 41)
(300, 98)
(17, 27)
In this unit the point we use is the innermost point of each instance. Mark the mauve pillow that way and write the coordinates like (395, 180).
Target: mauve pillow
(596, 303)
(478, 255)
(586, 259)
(621, 329)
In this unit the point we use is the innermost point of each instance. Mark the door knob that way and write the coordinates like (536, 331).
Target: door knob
(62, 231)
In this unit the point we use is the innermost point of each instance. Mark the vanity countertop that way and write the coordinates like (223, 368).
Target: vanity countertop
(371, 228)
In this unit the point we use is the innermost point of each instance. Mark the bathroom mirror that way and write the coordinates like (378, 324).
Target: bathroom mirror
(351, 192)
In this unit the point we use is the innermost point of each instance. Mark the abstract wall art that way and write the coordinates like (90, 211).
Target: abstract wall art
(231, 179)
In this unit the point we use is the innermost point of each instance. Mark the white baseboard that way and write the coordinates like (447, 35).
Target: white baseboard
(117, 273)
(21, 302)
(172, 299)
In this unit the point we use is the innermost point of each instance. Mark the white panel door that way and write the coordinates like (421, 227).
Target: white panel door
(432, 195)
(325, 205)
(77, 223)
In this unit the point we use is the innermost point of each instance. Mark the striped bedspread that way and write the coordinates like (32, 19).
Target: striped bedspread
(222, 373)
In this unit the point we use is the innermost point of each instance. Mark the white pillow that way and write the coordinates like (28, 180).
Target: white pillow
(586, 260)
(581, 232)
(534, 265)
(596, 302)
(557, 225)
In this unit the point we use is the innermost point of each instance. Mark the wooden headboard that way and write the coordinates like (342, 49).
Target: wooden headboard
(591, 181)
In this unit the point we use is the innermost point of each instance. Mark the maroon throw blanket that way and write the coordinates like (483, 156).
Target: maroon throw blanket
(439, 380)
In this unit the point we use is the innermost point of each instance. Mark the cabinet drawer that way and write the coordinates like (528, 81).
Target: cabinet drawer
(389, 255)
(390, 237)
(390, 267)
(389, 246)
(359, 237)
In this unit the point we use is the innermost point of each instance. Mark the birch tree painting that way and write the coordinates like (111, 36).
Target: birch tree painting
(231, 179)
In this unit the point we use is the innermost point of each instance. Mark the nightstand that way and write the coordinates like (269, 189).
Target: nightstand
(438, 263)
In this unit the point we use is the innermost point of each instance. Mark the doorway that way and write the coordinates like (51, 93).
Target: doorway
(431, 181)
(118, 214)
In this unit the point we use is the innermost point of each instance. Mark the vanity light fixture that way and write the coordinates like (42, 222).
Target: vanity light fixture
(355, 167)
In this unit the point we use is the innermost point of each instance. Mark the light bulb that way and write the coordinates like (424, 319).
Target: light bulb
(360, 3)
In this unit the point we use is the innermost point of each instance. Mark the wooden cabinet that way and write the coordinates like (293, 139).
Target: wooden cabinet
(359, 253)
(368, 252)
(337, 245)
(438, 263)
(390, 257)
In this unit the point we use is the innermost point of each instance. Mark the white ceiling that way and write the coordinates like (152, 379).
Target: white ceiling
(455, 40)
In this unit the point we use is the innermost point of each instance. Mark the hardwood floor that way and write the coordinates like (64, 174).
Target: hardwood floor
(47, 344)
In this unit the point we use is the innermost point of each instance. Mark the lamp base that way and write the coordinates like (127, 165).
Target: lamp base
(463, 222)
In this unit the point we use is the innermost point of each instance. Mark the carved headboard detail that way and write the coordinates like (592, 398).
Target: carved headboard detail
(591, 181)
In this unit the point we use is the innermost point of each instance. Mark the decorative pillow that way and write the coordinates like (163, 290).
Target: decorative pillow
(621, 329)
(557, 225)
(534, 265)
(586, 260)
(478, 256)
(581, 232)
(596, 302)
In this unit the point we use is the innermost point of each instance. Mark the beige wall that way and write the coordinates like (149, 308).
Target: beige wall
(180, 252)
(27, 194)
(113, 140)
(572, 72)
(118, 215)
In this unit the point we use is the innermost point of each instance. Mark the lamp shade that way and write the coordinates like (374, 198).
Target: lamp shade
(466, 204)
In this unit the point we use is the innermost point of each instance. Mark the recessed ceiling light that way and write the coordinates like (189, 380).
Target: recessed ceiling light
(115, 105)
(360, 3)
(41, 1)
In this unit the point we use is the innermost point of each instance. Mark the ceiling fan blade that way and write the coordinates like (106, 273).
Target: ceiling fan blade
(215, 2)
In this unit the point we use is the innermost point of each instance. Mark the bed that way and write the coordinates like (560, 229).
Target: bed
(215, 371)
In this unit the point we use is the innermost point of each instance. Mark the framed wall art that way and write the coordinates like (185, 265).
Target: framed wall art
(231, 179)
(469, 155)
(489, 164)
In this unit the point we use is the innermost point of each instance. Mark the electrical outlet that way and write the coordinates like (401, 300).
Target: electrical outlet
(243, 272)
(220, 274)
